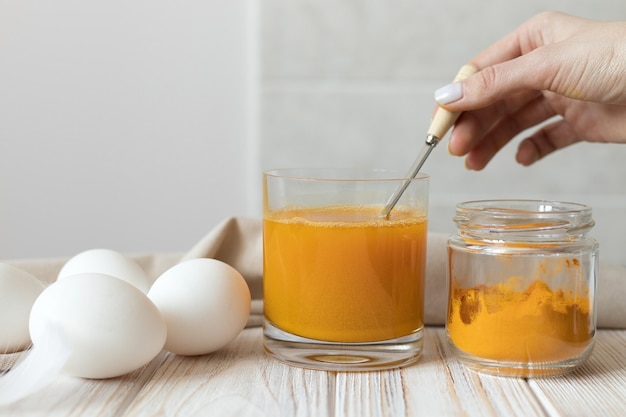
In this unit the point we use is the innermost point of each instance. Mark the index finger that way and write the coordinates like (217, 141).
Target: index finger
(538, 31)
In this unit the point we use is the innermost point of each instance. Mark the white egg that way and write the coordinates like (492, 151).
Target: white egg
(205, 303)
(111, 326)
(109, 262)
(18, 292)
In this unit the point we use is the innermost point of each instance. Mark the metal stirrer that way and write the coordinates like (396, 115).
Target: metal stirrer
(441, 123)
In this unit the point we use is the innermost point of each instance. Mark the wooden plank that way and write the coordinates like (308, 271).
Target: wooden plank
(440, 385)
(241, 380)
(68, 396)
(437, 385)
(237, 380)
(375, 394)
(598, 388)
(510, 396)
(418, 389)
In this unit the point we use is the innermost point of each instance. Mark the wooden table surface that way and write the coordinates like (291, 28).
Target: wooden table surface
(240, 380)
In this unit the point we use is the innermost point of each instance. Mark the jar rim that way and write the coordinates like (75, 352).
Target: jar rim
(515, 207)
(523, 218)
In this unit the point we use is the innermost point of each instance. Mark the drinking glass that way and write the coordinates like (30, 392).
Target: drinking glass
(343, 284)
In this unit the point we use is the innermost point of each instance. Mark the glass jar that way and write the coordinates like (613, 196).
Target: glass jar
(521, 286)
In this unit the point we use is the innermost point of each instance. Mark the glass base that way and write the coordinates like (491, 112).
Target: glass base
(331, 356)
(522, 369)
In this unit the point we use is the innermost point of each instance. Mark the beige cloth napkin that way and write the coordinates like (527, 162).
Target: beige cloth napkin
(238, 242)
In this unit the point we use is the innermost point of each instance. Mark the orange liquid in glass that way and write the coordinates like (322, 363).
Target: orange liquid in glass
(343, 274)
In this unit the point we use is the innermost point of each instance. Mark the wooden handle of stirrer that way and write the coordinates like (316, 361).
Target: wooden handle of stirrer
(444, 119)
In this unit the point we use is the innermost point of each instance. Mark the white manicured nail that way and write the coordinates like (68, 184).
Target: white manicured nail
(449, 93)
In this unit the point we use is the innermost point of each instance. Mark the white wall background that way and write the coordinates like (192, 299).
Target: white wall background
(125, 124)
(350, 83)
(132, 124)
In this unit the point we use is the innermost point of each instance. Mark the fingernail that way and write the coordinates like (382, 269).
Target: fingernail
(449, 93)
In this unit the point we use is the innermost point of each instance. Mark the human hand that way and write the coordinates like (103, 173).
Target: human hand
(553, 65)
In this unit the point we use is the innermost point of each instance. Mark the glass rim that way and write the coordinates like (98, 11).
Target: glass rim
(343, 174)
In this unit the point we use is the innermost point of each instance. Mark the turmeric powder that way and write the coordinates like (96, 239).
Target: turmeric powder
(533, 325)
